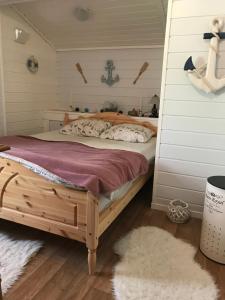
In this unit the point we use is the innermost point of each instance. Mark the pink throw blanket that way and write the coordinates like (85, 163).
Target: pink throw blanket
(100, 171)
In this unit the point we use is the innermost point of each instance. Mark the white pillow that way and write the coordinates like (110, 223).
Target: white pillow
(128, 133)
(86, 127)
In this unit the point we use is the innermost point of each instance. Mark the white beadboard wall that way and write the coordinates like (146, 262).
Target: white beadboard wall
(26, 94)
(1, 109)
(72, 90)
(1, 102)
(2, 113)
(191, 141)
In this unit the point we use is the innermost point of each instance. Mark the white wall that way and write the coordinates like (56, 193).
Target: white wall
(191, 143)
(72, 90)
(26, 94)
(1, 108)
(2, 111)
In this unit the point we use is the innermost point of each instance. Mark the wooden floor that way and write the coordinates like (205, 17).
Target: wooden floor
(59, 271)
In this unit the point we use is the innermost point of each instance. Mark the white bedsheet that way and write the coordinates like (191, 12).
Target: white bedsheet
(147, 149)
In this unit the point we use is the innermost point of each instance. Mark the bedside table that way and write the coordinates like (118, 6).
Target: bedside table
(4, 148)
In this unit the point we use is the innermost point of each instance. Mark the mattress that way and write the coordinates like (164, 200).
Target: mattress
(146, 149)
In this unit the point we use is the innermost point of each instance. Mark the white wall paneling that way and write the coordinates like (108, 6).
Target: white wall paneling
(26, 94)
(72, 90)
(191, 141)
(112, 23)
(2, 91)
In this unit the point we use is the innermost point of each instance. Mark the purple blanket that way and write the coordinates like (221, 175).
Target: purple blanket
(100, 171)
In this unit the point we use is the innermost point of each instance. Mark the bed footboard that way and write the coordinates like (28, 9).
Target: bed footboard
(30, 199)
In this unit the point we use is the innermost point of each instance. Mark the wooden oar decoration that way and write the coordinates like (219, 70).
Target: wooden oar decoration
(79, 69)
(142, 70)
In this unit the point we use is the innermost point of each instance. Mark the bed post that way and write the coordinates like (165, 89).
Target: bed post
(92, 230)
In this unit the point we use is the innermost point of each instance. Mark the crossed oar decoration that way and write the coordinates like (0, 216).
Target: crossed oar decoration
(204, 77)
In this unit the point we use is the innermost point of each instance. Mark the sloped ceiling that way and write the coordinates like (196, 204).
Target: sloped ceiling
(113, 23)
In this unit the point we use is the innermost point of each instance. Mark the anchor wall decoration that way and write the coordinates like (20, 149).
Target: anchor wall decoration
(204, 77)
(109, 68)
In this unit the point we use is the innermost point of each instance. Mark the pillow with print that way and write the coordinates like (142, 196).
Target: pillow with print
(128, 133)
(86, 127)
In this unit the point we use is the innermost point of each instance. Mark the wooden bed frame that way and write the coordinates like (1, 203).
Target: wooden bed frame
(30, 199)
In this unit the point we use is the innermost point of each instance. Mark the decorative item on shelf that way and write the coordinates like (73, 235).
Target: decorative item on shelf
(86, 109)
(32, 64)
(73, 108)
(133, 113)
(142, 70)
(154, 112)
(110, 106)
(178, 211)
(109, 68)
(21, 36)
(79, 69)
(203, 77)
(155, 101)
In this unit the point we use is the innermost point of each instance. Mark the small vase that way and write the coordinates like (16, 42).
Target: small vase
(178, 211)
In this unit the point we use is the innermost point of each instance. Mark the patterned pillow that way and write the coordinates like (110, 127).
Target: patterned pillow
(128, 133)
(86, 127)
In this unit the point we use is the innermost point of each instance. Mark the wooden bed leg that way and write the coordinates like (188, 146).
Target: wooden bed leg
(91, 261)
(92, 231)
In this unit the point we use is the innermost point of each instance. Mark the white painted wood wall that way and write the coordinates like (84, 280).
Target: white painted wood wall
(2, 107)
(72, 90)
(191, 142)
(26, 94)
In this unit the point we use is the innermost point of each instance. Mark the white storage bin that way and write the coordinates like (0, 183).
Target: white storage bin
(212, 242)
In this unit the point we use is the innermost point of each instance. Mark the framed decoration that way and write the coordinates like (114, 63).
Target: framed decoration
(32, 64)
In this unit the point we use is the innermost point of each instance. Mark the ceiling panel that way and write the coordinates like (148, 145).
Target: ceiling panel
(113, 23)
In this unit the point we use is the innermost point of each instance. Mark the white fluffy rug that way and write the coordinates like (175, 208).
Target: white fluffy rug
(15, 253)
(156, 266)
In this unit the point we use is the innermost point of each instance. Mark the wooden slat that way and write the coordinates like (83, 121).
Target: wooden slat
(187, 195)
(51, 226)
(190, 8)
(190, 168)
(194, 124)
(182, 181)
(193, 139)
(208, 156)
(110, 213)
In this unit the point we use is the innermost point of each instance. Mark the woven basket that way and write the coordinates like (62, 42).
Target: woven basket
(178, 211)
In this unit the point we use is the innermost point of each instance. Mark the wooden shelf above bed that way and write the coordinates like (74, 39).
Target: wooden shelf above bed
(53, 119)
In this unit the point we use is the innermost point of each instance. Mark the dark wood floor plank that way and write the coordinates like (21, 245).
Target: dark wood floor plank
(96, 294)
(59, 271)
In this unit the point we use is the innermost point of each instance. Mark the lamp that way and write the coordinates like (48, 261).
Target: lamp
(21, 36)
(155, 106)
